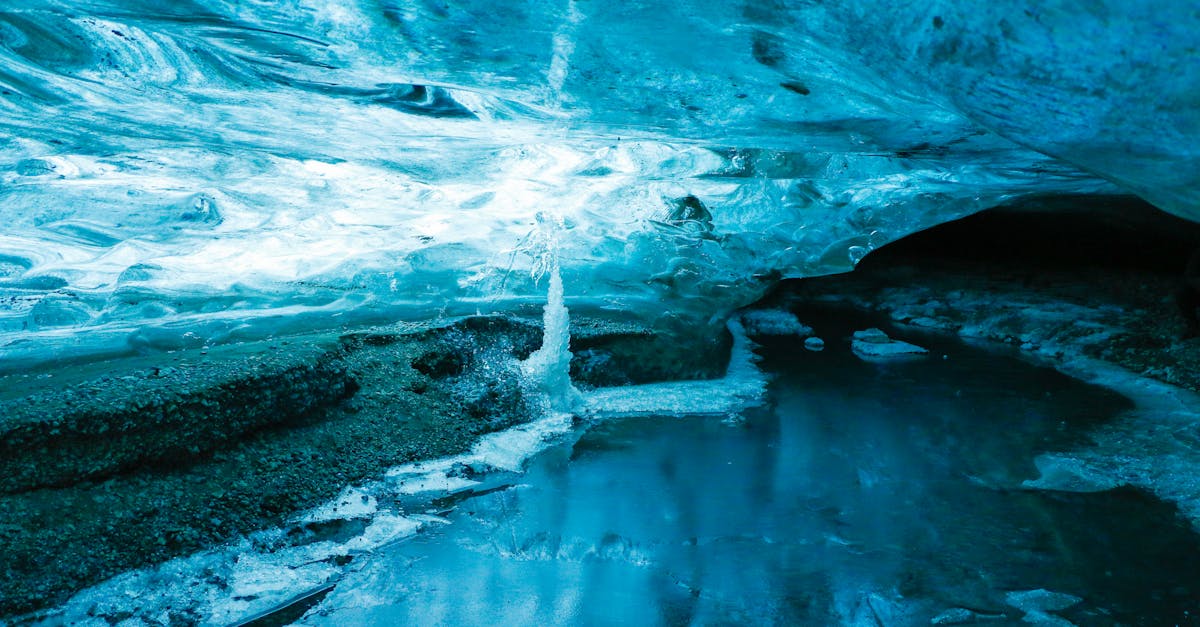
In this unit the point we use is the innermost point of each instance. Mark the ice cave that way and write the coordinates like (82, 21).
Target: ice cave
(571, 312)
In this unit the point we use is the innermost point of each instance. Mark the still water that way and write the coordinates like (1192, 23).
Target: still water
(862, 494)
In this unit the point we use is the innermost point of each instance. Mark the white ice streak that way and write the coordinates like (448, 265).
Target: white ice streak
(742, 386)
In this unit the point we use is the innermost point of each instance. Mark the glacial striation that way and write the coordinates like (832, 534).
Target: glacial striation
(177, 175)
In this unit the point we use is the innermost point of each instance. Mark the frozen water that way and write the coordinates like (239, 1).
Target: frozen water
(742, 387)
(214, 170)
(1153, 447)
(549, 367)
(860, 494)
(875, 344)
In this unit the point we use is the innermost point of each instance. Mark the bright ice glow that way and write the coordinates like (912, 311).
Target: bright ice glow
(214, 167)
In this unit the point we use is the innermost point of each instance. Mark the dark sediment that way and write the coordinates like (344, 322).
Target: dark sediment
(116, 465)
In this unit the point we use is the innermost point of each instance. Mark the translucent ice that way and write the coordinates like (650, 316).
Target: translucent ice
(213, 170)
(549, 367)
(875, 344)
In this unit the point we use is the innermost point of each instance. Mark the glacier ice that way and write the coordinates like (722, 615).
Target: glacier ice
(175, 174)
(875, 344)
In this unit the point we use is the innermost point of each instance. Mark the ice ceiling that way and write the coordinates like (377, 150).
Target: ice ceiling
(175, 173)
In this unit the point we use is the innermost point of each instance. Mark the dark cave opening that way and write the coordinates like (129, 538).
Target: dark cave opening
(1055, 233)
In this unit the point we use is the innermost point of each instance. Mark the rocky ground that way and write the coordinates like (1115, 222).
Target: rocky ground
(116, 465)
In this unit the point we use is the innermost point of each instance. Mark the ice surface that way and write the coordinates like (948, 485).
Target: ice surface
(549, 367)
(213, 170)
(742, 386)
(352, 503)
(875, 344)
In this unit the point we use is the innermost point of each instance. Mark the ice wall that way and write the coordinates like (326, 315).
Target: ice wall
(176, 173)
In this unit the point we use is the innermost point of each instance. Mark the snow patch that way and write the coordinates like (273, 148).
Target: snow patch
(352, 503)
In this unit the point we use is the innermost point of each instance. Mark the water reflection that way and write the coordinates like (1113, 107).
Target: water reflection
(865, 494)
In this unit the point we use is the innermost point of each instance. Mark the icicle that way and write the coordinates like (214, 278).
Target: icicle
(549, 367)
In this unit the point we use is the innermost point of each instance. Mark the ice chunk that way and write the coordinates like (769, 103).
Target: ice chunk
(549, 367)
(383, 529)
(874, 344)
(872, 336)
(814, 344)
(1069, 474)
